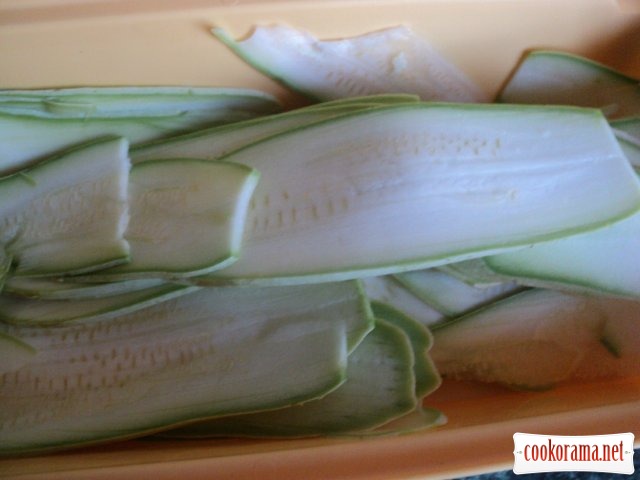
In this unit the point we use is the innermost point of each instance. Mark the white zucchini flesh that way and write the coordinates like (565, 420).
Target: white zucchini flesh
(406, 187)
(550, 77)
(68, 214)
(19, 310)
(532, 340)
(449, 295)
(379, 387)
(200, 105)
(65, 289)
(211, 353)
(15, 353)
(213, 143)
(384, 61)
(187, 218)
(386, 289)
(604, 261)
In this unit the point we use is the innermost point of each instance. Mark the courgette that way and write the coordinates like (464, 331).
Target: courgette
(382, 363)
(28, 135)
(15, 309)
(384, 61)
(404, 187)
(531, 340)
(65, 289)
(560, 78)
(69, 213)
(387, 290)
(215, 142)
(605, 261)
(210, 353)
(187, 217)
(450, 296)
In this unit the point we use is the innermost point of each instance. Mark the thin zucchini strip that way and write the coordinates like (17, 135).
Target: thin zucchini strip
(65, 289)
(201, 105)
(426, 375)
(19, 310)
(415, 186)
(384, 61)
(531, 340)
(539, 338)
(28, 136)
(473, 272)
(68, 214)
(187, 218)
(605, 261)
(557, 78)
(449, 295)
(213, 143)
(213, 352)
(627, 131)
(387, 290)
(379, 387)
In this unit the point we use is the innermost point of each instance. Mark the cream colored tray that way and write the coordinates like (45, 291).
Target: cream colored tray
(46, 43)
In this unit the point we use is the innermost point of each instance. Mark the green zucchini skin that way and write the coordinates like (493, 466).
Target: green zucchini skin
(198, 356)
(392, 172)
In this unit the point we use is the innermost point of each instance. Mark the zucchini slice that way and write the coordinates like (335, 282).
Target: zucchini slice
(68, 214)
(427, 378)
(558, 78)
(473, 272)
(387, 290)
(19, 310)
(604, 261)
(413, 186)
(449, 295)
(200, 105)
(627, 131)
(421, 418)
(530, 340)
(210, 353)
(384, 61)
(28, 135)
(379, 387)
(213, 143)
(187, 218)
(65, 289)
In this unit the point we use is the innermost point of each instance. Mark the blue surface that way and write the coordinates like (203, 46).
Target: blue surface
(509, 475)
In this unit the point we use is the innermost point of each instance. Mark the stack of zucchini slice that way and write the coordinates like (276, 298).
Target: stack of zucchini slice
(278, 276)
